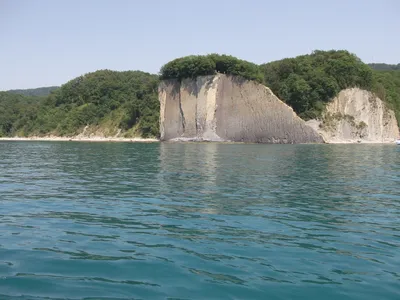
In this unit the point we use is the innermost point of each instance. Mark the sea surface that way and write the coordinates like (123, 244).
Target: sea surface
(199, 221)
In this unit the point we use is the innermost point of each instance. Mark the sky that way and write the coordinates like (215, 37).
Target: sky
(49, 42)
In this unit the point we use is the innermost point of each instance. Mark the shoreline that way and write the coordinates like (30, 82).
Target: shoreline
(80, 139)
(154, 140)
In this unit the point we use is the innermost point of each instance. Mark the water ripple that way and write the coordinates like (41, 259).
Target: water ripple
(199, 221)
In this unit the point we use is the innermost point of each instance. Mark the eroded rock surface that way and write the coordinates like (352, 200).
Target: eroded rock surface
(357, 115)
(228, 108)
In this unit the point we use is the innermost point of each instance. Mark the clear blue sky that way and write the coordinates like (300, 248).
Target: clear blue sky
(48, 42)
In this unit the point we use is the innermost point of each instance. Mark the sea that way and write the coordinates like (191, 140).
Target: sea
(199, 221)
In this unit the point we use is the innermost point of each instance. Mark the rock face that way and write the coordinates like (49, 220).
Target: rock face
(228, 108)
(357, 115)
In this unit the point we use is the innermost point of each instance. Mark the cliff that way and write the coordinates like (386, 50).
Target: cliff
(356, 115)
(228, 108)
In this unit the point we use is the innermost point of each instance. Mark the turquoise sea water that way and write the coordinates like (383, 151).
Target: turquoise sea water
(199, 221)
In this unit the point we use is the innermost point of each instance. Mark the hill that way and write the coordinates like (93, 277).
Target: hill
(15, 111)
(42, 91)
(308, 82)
(387, 88)
(103, 103)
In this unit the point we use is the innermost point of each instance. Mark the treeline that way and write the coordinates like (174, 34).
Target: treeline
(384, 67)
(42, 91)
(200, 65)
(104, 100)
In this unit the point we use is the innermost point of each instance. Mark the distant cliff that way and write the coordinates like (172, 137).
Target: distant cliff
(228, 108)
(356, 115)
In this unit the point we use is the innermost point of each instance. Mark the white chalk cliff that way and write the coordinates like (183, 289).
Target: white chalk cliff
(357, 115)
(228, 108)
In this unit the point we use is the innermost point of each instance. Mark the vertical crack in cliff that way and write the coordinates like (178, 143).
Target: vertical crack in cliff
(196, 120)
(181, 112)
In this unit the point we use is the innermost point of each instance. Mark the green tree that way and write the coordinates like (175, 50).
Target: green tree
(193, 66)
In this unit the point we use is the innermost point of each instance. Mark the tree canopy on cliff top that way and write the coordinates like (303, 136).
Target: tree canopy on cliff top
(200, 65)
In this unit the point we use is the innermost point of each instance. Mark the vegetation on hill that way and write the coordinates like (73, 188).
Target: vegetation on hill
(105, 100)
(15, 110)
(42, 91)
(384, 67)
(387, 87)
(200, 65)
(308, 82)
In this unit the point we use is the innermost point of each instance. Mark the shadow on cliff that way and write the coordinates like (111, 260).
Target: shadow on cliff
(193, 86)
(238, 80)
(173, 86)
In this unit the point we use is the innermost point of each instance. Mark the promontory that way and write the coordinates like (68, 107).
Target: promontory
(324, 97)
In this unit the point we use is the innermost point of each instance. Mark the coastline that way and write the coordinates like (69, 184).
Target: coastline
(80, 139)
(362, 142)
(154, 140)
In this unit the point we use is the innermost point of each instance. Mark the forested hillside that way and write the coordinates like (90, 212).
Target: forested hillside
(308, 82)
(105, 100)
(15, 111)
(42, 91)
(387, 87)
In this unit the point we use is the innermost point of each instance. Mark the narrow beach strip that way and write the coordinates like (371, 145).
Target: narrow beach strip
(81, 139)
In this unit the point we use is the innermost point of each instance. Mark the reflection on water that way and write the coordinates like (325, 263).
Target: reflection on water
(199, 221)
